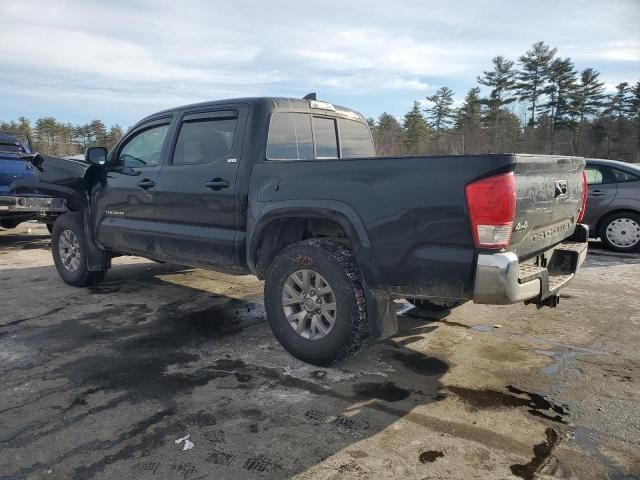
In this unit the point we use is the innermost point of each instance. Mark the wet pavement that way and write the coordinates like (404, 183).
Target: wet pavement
(101, 383)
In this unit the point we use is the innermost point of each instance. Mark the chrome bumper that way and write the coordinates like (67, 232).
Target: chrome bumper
(25, 204)
(501, 278)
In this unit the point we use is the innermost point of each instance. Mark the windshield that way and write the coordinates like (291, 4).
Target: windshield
(14, 143)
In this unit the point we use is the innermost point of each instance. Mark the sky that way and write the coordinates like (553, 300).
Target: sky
(121, 60)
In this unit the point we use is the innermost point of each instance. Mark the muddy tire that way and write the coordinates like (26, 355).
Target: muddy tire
(621, 231)
(69, 250)
(314, 298)
(428, 306)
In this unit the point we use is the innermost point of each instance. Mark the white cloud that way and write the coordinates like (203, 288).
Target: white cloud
(160, 53)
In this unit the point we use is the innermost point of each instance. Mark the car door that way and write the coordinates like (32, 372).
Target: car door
(125, 207)
(602, 190)
(196, 188)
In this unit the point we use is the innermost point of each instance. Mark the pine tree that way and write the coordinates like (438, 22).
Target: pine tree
(468, 121)
(562, 90)
(501, 80)
(388, 135)
(531, 80)
(416, 130)
(440, 115)
(588, 100)
(635, 111)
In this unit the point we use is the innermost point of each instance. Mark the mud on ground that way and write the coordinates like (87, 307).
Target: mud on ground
(99, 383)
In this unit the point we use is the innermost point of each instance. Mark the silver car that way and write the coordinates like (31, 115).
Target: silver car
(613, 204)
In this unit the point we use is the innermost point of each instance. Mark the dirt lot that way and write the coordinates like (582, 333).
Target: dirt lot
(101, 383)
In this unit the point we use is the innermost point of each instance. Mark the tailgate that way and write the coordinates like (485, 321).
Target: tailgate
(549, 196)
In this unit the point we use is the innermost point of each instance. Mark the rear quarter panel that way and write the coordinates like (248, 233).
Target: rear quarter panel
(412, 208)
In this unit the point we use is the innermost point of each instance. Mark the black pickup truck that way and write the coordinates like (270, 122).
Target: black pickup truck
(290, 190)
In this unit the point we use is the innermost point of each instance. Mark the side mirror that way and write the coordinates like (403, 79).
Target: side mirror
(96, 155)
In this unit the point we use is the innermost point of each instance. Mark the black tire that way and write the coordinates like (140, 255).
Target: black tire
(630, 242)
(80, 276)
(429, 306)
(336, 265)
(50, 227)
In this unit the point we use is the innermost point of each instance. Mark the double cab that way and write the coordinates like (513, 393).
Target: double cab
(291, 190)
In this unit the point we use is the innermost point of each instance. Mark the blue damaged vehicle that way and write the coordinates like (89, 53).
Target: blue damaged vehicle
(16, 167)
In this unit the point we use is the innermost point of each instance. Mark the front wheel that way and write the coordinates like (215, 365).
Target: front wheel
(69, 251)
(314, 298)
(621, 232)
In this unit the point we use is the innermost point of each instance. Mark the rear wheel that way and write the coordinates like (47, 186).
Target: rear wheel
(69, 251)
(621, 231)
(315, 303)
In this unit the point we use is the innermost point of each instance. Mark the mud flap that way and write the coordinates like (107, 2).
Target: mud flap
(382, 314)
(97, 259)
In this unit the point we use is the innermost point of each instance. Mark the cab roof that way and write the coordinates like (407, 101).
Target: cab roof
(274, 103)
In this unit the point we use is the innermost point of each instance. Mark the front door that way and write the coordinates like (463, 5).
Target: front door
(602, 190)
(196, 188)
(125, 208)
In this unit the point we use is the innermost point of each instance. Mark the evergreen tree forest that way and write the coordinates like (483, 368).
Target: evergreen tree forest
(539, 103)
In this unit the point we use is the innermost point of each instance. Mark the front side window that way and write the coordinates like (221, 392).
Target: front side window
(201, 141)
(143, 149)
(355, 139)
(290, 137)
(324, 130)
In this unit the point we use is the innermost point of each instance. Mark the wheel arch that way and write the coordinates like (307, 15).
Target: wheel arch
(283, 223)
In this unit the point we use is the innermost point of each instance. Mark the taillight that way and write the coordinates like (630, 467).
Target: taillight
(585, 192)
(492, 209)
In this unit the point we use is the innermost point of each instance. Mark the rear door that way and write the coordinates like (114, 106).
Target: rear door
(196, 188)
(602, 191)
(548, 199)
(125, 208)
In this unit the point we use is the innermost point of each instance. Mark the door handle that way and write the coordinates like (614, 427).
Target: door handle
(146, 183)
(217, 184)
(597, 193)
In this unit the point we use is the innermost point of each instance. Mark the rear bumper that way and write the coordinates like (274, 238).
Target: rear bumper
(502, 279)
(10, 204)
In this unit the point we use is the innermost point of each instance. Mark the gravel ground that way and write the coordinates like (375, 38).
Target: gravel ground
(107, 382)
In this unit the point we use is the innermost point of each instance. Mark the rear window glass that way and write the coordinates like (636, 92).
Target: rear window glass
(324, 130)
(355, 139)
(204, 140)
(290, 137)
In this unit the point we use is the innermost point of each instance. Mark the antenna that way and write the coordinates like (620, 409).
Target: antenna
(310, 96)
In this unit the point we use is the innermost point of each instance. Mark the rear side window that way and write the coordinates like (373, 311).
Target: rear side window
(622, 176)
(324, 130)
(355, 139)
(201, 141)
(290, 137)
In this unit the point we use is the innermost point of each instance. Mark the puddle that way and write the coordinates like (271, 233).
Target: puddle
(387, 391)
(541, 453)
(537, 405)
(430, 456)
(420, 363)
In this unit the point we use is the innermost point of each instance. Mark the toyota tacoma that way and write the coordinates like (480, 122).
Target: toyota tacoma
(290, 190)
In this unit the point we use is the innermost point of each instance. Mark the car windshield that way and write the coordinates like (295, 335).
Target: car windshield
(13, 143)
